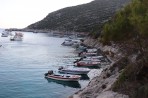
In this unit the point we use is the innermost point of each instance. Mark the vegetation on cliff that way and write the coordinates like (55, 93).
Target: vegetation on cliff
(129, 28)
(130, 22)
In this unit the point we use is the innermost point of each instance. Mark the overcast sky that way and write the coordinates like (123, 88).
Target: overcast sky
(21, 13)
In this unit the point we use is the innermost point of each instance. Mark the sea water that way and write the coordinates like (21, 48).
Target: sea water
(23, 64)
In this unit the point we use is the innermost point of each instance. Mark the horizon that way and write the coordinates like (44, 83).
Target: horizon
(21, 13)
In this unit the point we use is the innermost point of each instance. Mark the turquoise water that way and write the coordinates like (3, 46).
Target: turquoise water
(23, 64)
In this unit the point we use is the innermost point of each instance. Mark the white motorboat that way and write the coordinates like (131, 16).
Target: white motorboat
(92, 50)
(5, 34)
(74, 70)
(70, 42)
(17, 37)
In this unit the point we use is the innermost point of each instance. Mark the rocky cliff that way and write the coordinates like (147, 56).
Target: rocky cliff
(123, 78)
(101, 85)
(128, 74)
(81, 18)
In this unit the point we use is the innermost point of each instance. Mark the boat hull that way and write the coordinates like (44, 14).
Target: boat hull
(16, 39)
(4, 35)
(73, 72)
(62, 78)
(73, 84)
(87, 63)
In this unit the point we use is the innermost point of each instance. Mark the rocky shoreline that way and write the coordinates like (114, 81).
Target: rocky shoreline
(101, 85)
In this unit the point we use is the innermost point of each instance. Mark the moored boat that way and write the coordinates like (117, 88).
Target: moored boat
(87, 54)
(5, 34)
(92, 50)
(62, 77)
(17, 37)
(87, 63)
(69, 42)
(91, 58)
(74, 70)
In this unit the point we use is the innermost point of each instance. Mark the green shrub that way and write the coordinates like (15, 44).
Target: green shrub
(130, 22)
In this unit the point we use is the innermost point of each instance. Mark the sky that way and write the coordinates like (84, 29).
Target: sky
(21, 13)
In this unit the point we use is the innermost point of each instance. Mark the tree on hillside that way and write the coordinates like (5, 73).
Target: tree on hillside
(139, 21)
(131, 22)
(130, 25)
(119, 28)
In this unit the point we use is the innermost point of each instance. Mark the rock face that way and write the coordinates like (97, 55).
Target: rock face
(101, 85)
(81, 18)
(110, 94)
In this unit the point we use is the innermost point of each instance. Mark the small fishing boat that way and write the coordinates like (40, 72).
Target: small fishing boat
(96, 57)
(5, 34)
(87, 63)
(17, 37)
(87, 54)
(69, 42)
(92, 50)
(74, 70)
(62, 77)
(92, 58)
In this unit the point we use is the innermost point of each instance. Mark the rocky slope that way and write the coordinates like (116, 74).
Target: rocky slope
(123, 78)
(128, 74)
(101, 85)
(81, 18)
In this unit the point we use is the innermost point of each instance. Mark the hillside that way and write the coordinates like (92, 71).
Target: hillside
(124, 41)
(129, 29)
(81, 18)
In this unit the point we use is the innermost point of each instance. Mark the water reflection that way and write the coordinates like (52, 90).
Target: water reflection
(73, 84)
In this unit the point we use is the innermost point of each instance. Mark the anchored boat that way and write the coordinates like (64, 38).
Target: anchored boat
(62, 77)
(5, 34)
(87, 63)
(17, 37)
(74, 70)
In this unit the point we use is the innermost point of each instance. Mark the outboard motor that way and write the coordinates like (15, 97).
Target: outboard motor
(46, 74)
(61, 67)
(50, 72)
